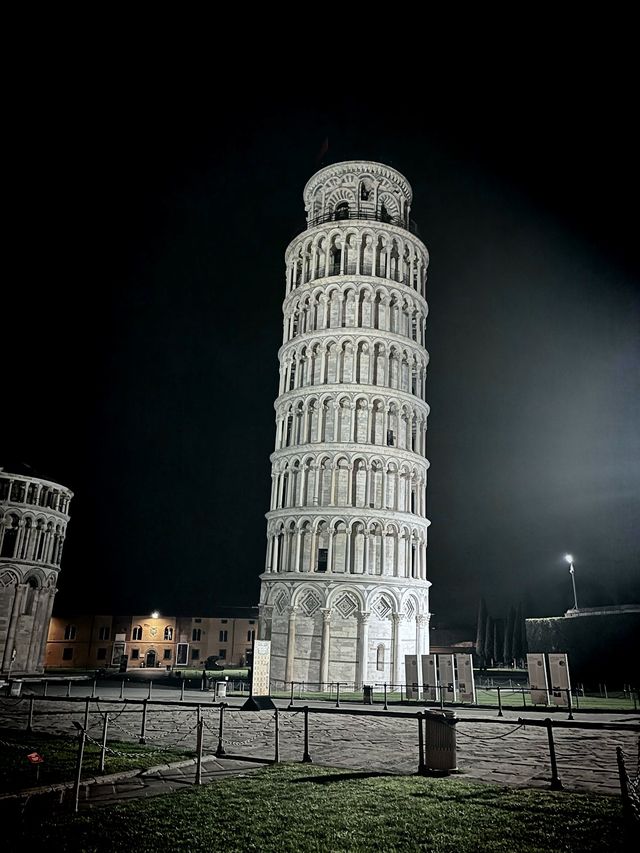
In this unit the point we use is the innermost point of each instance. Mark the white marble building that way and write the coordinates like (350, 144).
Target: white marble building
(345, 593)
(34, 514)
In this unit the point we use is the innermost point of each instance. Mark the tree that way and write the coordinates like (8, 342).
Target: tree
(488, 642)
(518, 637)
(480, 632)
(498, 639)
(507, 650)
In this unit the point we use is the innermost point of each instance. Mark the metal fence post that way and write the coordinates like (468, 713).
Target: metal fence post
(86, 714)
(570, 717)
(337, 694)
(122, 689)
(182, 689)
(624, 785)
(442, 697)
(291, 698)
(103, 750)
(93, 688)
(143, 728)
(150, 688)
(524, 698)
(386, 707)
(30, 720)
(76, 787)
(277, 739)
(500, 714)
(306, 758)
(421, 764)
(220, 750)
(556, 784)
(44, 689)
(200, 741)
(68, 688)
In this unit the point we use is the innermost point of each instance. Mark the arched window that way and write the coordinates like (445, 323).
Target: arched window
(168, 633)
(137, 633)
(380, 658)
(342, 210)
(70, 632)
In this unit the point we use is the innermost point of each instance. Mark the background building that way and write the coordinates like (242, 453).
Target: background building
(144, 641)
(345, 593)
(34, 514)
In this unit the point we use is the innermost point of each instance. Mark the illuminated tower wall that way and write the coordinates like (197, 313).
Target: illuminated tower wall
(345, 593)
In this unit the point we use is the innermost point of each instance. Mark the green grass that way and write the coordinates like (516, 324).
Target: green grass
(293, 808)
(60, 755)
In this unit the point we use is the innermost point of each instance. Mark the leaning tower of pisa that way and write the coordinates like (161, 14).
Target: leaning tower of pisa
(345, 593)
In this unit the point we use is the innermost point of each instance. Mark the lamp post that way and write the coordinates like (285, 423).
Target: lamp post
(572, 572)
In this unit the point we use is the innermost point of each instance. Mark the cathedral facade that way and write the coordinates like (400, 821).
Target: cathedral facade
(34, 514)
(344, 594)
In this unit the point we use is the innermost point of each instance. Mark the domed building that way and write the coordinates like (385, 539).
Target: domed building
(34, 514)
(344, 594)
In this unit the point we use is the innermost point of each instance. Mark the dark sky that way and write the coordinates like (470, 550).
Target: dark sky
(142, 317)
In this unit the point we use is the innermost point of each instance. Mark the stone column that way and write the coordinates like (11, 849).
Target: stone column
(37, 628)
(421, 621)
(13, 622)
(363, 647)
(397, 621)
(325, 649)
(41, 661)
(291, 644)
(264, 621)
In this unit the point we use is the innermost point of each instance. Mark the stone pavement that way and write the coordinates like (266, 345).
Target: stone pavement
(489, 750)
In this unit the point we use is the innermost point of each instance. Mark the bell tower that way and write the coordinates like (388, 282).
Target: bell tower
(344, 593)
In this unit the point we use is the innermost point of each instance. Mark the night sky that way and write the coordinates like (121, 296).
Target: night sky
(142, 318)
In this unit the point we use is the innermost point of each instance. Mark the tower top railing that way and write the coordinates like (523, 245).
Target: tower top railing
(378, 216)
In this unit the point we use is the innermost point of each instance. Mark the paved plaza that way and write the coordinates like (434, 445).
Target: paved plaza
(489, 749)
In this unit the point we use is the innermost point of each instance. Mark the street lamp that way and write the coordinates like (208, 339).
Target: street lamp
(572, 572)
(155, 614)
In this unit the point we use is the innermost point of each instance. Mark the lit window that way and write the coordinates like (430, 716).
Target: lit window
(137, 633)
(251, 635)
(168, 633)
(70, 632)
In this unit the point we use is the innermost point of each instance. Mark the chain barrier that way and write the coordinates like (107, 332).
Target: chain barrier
(630, 788)
(228, 742)
(123, 754)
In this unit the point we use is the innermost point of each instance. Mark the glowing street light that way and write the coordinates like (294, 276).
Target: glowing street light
(155, 614)
(572, 572)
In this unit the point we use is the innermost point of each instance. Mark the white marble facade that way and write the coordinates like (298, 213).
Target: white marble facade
(345, 593)
(34, 514)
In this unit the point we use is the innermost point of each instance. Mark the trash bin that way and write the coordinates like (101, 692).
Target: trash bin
(368, 695)
(15, 688)
(221, 690)
(440, 742)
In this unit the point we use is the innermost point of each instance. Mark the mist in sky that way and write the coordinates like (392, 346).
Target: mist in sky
(141, 340)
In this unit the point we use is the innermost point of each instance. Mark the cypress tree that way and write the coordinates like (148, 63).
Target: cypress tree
(498, 640)
(488, 642)
(507, 650)
(518, 637)
(480, 632)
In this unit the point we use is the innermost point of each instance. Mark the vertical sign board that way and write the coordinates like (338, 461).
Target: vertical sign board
(466, 682)
(560, 684)
(261, 671)
(430, 677)
(411, 676)
(447, 678)
(538, 685)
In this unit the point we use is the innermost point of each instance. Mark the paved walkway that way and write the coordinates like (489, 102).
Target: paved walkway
(502, 752)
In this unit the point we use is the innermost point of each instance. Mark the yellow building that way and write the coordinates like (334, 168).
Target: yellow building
(141, 641)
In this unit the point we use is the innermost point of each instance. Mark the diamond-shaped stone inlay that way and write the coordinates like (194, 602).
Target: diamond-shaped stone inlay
(383, 607)
(310, 603)
(346, 606)
(410, 609)
(281, 604)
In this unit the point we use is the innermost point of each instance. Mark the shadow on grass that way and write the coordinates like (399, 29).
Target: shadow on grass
(340, 777)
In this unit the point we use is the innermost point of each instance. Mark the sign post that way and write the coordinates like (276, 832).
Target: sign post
(260, 687)
(430, 681)
(538, 684)
(560, 683)
(412, 679)
(466, 682)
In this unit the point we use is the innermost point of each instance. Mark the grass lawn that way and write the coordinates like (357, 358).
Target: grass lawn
(294, 808)
(60, 755)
